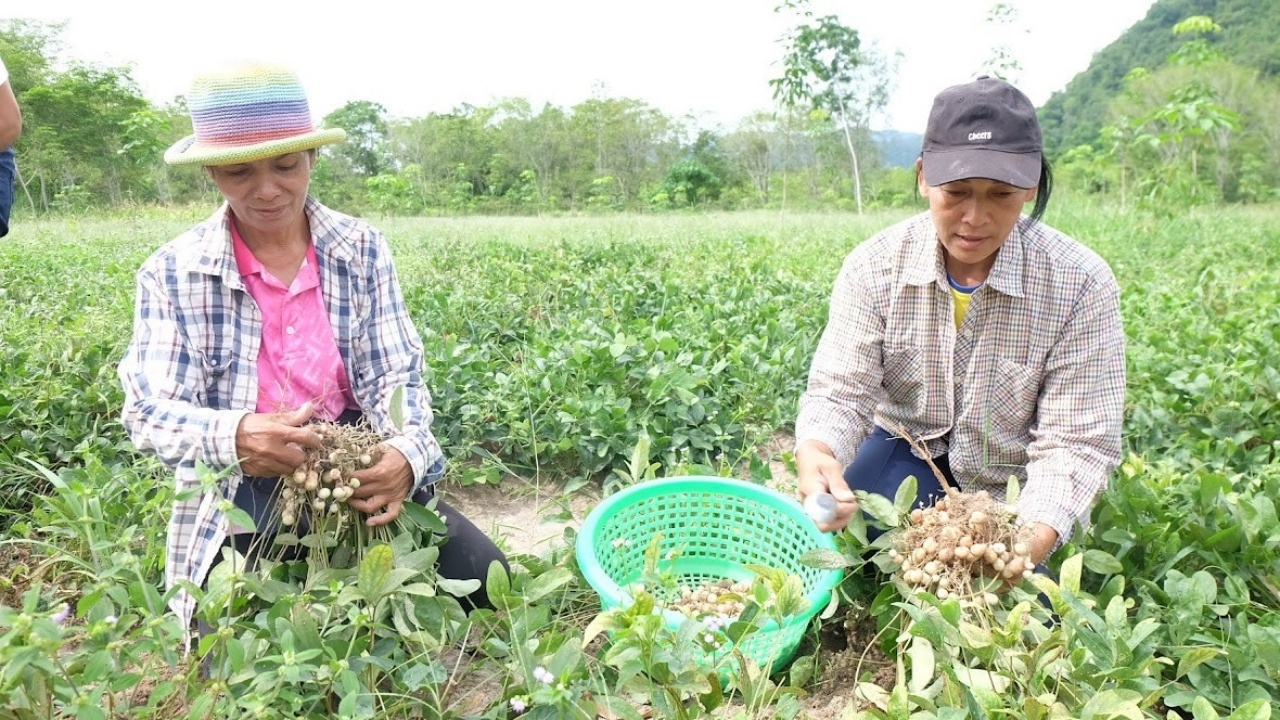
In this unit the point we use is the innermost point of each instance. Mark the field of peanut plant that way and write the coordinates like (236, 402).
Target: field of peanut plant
(589, 353)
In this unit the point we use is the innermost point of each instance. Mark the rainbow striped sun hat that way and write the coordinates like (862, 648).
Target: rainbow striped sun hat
(247, 113)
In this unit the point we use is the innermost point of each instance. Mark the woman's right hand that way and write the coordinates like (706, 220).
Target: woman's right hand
(274, 444)
(819, 471)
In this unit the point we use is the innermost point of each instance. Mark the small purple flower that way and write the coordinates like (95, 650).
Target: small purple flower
(543, 676)
(61, 616)
(518, 705)
(110, 619)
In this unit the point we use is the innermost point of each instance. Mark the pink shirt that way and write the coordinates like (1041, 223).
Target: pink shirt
(299, 358)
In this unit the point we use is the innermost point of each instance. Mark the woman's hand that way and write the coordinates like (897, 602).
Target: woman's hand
(274, 444)
(383, 487)
(1041, 542)
(819, 471)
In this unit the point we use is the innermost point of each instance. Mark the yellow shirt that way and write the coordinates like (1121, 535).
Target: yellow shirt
(962, 295)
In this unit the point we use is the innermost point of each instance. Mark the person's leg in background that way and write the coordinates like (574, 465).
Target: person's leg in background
(8, 171)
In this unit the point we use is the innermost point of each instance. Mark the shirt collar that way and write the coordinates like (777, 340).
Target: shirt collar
(246, 261)
(215, 252)
(927, 263)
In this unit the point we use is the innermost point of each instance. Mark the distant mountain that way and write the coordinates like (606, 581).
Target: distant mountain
(1075, 115)
(897, 148)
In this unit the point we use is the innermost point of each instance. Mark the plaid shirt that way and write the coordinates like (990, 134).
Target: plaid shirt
(1031, 384)
(190, 372)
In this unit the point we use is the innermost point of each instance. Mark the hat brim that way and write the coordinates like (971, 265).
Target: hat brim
(1021, 170)
(189, 152)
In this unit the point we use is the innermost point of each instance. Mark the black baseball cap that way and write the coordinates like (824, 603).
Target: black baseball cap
(983, 129)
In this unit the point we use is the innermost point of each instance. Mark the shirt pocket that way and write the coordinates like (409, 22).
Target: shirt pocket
(217, 381)
(1015, 394)
(903, 379)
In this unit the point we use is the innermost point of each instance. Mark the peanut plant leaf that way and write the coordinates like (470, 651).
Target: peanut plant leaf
(1253, 710)
(906, 496)
(878, 507)
(375, 571)
(1194, 657)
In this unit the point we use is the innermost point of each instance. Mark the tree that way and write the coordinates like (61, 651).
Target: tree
(340, 180)
(539, 144)
(364, 153)
(1177, 118)
(826, 67)
(751, 151)
(625, 140)
(1002, 63)
(73, 146)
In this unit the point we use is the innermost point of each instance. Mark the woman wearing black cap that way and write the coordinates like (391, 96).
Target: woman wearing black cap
(991, 339)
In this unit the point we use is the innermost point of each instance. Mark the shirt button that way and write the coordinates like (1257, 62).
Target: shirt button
(289, 330)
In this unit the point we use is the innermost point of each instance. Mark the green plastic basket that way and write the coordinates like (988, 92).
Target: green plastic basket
(716, 527)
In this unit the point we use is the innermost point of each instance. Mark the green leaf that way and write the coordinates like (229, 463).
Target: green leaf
(825, 559)
(459, 588)
(906, 495)
(239, 518)
(878, 507)
(1069, 573)
(1011, 490)
(547, 583)
(1253, 710)
(1194, 657)
(598, 624)
(375, 573)
(1112, 704)
(922, 664)
(498, 585)
(1102, 562)
(899, 705)
(1202, 709)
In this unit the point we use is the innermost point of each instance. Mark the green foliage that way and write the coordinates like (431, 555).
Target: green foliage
(688, 182)
(1076, 115)
(577, 346)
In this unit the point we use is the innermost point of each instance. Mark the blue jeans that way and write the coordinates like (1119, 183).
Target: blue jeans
(8, 171)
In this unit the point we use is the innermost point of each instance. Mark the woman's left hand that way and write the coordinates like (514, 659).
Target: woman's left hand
(383, 487)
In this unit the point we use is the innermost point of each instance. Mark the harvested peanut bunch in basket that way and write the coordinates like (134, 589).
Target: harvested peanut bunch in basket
(324, 482)
(712, 597)
(962, 537)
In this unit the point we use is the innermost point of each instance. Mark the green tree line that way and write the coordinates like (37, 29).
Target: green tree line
(1196, 126)
(92, 140)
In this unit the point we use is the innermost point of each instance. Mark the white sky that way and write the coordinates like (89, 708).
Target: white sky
(708, 58)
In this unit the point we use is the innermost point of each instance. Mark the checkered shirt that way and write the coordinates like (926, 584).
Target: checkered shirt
(1031, 384)
(190, 371)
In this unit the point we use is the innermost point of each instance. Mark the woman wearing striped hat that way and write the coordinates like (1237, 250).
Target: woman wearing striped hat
(275, 311)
